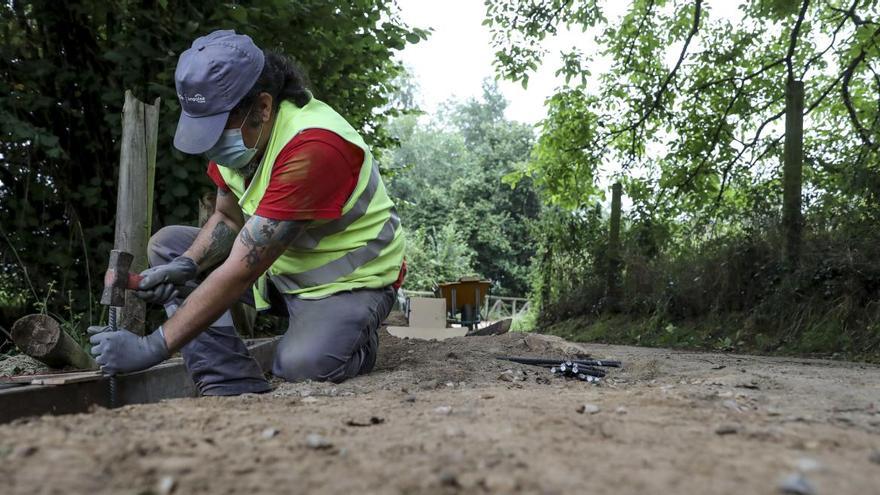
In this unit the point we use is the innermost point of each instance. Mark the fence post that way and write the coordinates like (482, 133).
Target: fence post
(792, 173)
(134, 201)
(612, 284)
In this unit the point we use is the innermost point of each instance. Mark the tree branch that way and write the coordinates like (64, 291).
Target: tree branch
(834, 34)
(847, 98)
(631, 46)
(664, 86)
(793, 40)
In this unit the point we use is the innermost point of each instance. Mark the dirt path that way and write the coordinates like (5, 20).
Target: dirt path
(669, 422)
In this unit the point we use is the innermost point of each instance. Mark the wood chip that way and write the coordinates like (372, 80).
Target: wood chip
(373, 420)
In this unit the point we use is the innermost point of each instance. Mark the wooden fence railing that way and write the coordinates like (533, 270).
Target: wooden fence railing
(494, 307)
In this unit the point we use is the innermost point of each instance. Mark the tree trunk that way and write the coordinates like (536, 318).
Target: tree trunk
(613, 282)
(792, 173)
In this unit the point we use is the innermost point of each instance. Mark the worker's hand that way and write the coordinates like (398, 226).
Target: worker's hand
(123, 352)
(157, 285)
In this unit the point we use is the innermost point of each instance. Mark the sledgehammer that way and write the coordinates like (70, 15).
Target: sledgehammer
(118, 279)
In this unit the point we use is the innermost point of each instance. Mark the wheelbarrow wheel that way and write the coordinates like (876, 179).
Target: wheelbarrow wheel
(468, 316)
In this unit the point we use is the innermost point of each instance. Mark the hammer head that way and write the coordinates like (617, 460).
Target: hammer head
(116, 278)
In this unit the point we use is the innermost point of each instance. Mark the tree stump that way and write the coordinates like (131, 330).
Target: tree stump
(41, 337)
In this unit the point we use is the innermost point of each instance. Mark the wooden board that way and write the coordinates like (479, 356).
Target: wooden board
(422, 333)
(427, 312)
(65, 378)
(168, 380)
(497, 328)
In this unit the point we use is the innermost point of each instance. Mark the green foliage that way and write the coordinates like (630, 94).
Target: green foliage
(689, 117)
(690, 109)
(65, 67)
(434, 256)
(447, 175)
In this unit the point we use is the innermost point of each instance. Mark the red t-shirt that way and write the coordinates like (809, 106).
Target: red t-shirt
(312, 178)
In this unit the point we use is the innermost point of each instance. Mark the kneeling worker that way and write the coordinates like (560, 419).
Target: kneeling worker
(302, 220)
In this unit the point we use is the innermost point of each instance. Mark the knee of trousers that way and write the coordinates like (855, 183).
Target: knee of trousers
(158, 248)
(297, 365)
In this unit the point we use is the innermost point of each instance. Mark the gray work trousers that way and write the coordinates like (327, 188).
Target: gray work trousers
(332, 339)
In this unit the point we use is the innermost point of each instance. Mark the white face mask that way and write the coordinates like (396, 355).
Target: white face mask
(230, 150)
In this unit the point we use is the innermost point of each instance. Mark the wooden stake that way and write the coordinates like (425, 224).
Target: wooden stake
(792, 173)
(134, 202)
(41, 337)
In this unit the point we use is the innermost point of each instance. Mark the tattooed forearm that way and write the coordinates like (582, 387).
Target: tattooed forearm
(265, 239)
(253, 253)
(222, 238)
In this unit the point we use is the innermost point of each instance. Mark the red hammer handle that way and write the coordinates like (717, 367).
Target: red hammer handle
(134, 280)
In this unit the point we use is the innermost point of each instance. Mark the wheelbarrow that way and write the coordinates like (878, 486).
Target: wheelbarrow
(465, 300)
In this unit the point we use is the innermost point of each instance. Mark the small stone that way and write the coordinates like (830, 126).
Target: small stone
(317, 442)
(588, 409)
(487, 396)
(410, 398)
(269, 433)
(796, 484)
(166, 485)
(448, 479)
(450, 385)
(727, 430)
(507, 376)
(807, 464)
(428, 385)
(24, 451)
(444, 410)
(732, 405)
(453, 432)
(309, 400)
(500, 483)
(621, 410)
(875, 456)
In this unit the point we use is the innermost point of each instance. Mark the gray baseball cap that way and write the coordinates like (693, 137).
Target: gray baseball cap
(212, 76)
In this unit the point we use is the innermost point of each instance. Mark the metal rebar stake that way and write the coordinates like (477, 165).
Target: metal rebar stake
(113, 328)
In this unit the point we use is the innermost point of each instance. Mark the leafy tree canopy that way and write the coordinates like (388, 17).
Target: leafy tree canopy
(64, 67)
(690, 112)
(448, 186)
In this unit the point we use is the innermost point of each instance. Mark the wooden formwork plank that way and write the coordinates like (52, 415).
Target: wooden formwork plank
(168, 380)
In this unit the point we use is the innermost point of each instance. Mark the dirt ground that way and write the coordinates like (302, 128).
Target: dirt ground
(436, 417)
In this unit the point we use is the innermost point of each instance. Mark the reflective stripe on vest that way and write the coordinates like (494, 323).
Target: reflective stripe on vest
(343, 266)
(312, 236)
(336, 254)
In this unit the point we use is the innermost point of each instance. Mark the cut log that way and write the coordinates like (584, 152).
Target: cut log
(41, 337)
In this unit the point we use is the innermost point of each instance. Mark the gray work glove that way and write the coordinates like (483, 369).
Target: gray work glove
(158, 283)
(123, 352)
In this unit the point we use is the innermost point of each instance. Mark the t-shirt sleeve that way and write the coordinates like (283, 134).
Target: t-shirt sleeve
(312, 178)
(214, 174)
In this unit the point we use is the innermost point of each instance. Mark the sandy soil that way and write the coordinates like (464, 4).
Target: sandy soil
(435, 417)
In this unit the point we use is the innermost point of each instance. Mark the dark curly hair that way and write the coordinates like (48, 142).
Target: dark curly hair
(282, 78)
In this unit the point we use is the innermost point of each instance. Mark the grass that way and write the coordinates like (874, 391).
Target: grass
(732, 332)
